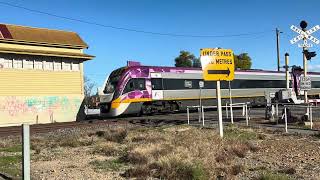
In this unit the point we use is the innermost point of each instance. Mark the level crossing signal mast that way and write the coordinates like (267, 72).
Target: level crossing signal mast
(305, 35)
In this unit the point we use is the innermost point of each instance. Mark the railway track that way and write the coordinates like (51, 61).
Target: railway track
(45, 128)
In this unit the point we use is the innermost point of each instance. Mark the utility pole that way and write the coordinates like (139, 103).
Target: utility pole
(278, 53)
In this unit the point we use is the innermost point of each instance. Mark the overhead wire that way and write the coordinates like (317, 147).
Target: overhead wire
(131, 29)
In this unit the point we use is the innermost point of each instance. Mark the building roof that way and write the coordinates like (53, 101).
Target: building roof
(46, 53)
(40, 36)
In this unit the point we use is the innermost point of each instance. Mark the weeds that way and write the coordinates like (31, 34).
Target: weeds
(114, 135)
(15, 148)
(273, 176)
(10, 165)
(114, 165)
(108, 149)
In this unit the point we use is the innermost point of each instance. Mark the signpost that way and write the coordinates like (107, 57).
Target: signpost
(305, 83)
(217, 65)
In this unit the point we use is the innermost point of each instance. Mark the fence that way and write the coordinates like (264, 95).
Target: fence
(228, 109)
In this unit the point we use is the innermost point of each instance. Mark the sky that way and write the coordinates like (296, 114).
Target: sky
(113, 47)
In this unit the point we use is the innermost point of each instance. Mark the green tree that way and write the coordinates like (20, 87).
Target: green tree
(185, 59)
(242, 61)
(196, 63)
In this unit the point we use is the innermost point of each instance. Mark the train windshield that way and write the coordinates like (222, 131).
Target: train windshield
(113, 80)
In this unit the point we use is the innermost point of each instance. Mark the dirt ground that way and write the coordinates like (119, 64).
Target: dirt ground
(167, 152)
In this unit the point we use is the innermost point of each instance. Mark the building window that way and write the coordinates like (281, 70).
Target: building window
(66, 66)
(7, 63)
(28, 64)
(38, 64)
(48, 65)
(75, 66)
(57, 65)
(17, 63)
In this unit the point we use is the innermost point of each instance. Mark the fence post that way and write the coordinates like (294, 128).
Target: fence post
(202, 109)
(247, 120)
(285, 119)
(227, 113)
(188, 115)
(26, 151)
(311, 123)
(199, 112)
(277, 111)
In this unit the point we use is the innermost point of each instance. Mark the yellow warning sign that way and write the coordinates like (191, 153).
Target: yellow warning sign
(217, 64)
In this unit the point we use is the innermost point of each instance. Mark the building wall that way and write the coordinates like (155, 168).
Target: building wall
(39, 89)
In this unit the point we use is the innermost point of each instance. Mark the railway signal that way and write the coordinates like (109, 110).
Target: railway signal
(305, 35)
(309, 55)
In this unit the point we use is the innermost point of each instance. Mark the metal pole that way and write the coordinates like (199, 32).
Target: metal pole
(278, 51)
(227, 113)
(200, 104)
(247, 119)
(277, 112)
(311, 123)
(202, 110)
(199, 112)
(287, 70)
(188, 115)
(26, 151)
(218, 93)
(230, 96)
(285, 119)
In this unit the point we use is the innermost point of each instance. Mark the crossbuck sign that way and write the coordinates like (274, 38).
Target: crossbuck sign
(306, 35)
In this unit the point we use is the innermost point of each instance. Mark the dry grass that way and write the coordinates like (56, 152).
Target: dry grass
(115, 135)
(108, 149)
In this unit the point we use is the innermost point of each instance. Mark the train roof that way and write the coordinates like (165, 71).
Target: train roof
(192, 68)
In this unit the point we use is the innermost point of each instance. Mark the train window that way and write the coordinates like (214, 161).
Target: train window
(140, 84)
(135, 84)
(156, 84)
(188, 84)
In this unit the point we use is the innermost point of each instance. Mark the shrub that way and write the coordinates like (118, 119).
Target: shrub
(108, 149)
(273, 176)
(114, 165)
(236, 169)
(114, 135)
(240, 150)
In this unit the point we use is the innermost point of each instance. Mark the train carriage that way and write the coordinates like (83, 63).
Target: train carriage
(148, 89)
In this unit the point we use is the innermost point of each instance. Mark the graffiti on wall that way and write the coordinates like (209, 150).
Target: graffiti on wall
(15, 106)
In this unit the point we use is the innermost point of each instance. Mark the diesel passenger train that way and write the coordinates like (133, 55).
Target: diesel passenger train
(137, 89)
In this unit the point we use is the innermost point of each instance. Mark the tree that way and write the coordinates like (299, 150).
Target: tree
(88, 90)
(196, 63)
(242, 61)
(185, 59)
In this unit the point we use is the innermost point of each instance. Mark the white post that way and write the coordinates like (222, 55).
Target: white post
(247, 119)
(230, 96)
(227, 113)
(277, 112)
(26, 151)
(218, 93)
(199, 112)
(202, 112)
(188, 115)
(311, 123)
(287, 70)
(286, 119)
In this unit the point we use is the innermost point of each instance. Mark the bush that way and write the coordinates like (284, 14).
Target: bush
(114, 135)
(108, 149)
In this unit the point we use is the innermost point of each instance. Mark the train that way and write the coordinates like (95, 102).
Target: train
(137, 89)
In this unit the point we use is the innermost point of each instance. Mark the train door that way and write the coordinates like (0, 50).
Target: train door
(157, 86)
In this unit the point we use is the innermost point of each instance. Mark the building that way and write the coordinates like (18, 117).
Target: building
(41, 75)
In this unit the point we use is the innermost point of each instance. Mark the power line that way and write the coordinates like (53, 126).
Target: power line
(130, 29)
